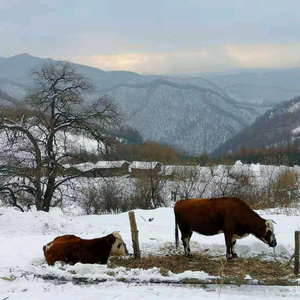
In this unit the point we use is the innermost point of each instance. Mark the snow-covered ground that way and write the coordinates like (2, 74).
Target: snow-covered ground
(22, 264)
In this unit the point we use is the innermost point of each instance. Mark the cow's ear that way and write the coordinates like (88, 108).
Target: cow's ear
(111, 240)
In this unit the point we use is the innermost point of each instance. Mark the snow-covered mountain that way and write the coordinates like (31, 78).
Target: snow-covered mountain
(266, 95)
(279, 126)
(190, 113)
(12, 89)
(16, 69)
(187, 117)
(5, 99)
(283, 78)
(260, 85)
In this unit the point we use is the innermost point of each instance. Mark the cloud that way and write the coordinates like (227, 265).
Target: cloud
(158, 63)
(207, 59)
(120, 61)
(265, 56)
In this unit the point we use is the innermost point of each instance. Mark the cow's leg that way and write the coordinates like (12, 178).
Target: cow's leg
(233, 244)
(185, 241)
(228, 240)
(188, 245)
(185, 237)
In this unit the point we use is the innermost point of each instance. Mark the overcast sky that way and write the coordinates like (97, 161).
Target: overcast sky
(157, 36)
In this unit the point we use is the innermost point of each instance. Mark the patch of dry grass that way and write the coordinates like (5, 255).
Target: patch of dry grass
(238, 268)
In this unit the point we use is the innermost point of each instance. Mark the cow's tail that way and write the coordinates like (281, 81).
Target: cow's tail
(176, 233)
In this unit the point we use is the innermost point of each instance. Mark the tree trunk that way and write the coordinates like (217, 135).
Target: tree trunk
(39, 202)
(49, 193)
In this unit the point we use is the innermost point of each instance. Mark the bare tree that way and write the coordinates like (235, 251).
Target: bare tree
(112, 194)
(7, 193)
(285, 189)
(36, 146)
(148, 189)
(101, 196)
(192, 181)
(230, 182)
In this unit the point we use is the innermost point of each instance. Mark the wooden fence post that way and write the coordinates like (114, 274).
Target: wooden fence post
(134, 235)
(296, 266)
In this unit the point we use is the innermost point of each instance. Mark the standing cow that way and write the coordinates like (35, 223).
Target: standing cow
(229, 215)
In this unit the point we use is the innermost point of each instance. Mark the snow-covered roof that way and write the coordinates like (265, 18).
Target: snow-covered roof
(84, 167)
(168, 170)
(110, 164)
(144, 165)
(296, 130)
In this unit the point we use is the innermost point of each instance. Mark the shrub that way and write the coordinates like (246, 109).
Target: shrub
(104, 197)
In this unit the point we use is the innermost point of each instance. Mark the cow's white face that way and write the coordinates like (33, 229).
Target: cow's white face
(269, 237)
(48, 246)
(119, 247)
(270, 225)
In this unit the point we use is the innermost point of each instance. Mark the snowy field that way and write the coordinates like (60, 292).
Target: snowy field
(22, 263)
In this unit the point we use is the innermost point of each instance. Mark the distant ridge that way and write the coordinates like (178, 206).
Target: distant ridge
(21, 55)
(187, 117)
(195, 113)
(277, 127)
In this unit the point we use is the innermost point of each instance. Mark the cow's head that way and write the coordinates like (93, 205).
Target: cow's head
(118, 245)
(266, 233)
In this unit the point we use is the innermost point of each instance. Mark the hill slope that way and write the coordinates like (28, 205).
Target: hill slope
(187, 117)
(267, 95)
(260, 85)
(17, 69)
(278, 126)
(6, 100)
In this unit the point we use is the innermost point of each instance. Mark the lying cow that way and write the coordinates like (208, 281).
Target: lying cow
(72, 249)
(229, 215)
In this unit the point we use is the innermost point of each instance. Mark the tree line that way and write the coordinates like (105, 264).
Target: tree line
(288, 155)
